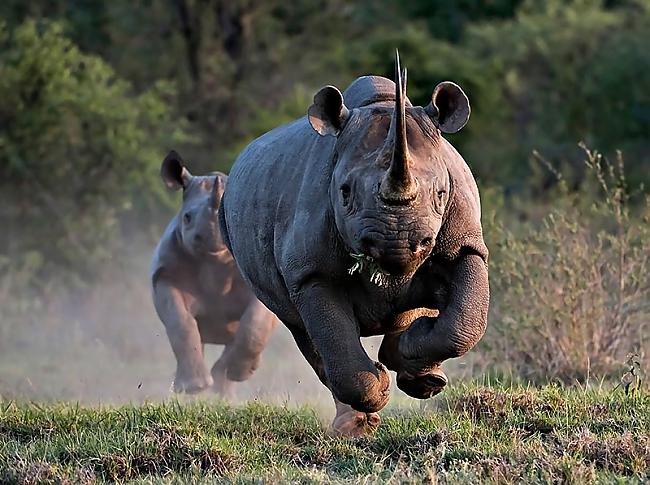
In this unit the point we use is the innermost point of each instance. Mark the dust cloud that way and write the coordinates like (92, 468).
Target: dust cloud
(105, 345)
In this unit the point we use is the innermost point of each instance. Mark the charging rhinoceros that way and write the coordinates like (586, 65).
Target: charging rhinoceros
(198, 292)
(361, 219)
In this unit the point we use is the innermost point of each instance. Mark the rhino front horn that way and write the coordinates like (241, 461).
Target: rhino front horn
(398, 186)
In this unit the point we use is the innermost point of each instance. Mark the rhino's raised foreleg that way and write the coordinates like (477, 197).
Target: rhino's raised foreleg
(430, 341)
(244, 353)
(428, 382)
(352, 376)
(182, 330)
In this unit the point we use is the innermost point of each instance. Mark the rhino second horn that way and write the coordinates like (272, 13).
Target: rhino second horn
(398, 186)
(214, 195)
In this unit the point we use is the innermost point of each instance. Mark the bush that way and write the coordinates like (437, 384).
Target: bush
(570, 298)
(554, 73)
(78, 151)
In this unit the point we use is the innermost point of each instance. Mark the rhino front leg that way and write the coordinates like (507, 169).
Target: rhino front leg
(241, 357)
(182, 330)
(351, 375)
(430, 341)
(348, 421)
(428, 382)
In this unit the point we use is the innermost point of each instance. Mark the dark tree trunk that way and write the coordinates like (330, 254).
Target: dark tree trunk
(191, 31)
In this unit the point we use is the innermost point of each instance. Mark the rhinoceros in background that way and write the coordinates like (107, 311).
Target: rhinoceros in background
(198, 292)
(367, 222)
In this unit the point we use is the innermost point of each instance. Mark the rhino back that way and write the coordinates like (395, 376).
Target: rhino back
(367, 90)
(277, 213)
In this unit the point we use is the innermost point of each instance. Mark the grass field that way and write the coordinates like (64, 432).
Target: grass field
(471, 433)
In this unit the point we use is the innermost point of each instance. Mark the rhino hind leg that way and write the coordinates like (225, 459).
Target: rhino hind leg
(223, 386)
(243, 355)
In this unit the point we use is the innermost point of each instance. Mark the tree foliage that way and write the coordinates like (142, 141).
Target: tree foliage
(550, 75)
(78, 149)
(93, 94)
(540, 75)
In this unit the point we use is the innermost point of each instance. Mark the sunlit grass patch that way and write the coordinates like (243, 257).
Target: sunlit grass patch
(471, 433)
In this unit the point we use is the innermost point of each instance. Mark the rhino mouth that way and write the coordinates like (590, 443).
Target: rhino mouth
(206, 249)
(365, 264)
(223, 251)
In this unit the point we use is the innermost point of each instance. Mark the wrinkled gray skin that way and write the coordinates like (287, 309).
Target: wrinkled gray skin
(198, 292)
(370, 175)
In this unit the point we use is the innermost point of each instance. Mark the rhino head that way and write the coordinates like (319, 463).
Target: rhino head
(197, 224)
(390, 186)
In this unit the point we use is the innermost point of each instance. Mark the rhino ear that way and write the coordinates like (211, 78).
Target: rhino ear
(173, 172)
(328, 114)
(449, 107)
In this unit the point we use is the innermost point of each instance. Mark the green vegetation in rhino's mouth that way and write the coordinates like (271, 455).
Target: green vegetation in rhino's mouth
(378, 275)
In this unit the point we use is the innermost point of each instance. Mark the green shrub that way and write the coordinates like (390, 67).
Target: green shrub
(570, 298)
(78, 150)
(553, 73)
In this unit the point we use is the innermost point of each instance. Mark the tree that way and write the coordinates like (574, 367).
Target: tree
(78, 149)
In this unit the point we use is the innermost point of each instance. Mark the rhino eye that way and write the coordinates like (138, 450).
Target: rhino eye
(345, 193)
(187, 218)
(441, 194)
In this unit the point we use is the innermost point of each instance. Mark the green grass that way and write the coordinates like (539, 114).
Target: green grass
(470, 434)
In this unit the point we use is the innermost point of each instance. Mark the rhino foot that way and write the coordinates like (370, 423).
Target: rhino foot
(353, 424)
(422, 386)
(223, 386)
(192, 384)
(242, 369)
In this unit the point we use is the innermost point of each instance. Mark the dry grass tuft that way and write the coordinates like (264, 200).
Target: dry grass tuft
(45, 473)
(167, 451)
(492, 404)
(623, 454)
(571, 294)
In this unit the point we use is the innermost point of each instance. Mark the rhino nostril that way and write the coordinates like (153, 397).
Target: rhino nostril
(369, 247)
(367, 243)
(423, 245)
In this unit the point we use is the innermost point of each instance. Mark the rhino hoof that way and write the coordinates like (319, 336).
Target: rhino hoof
(423, 386)
(353, 424)
(384, 385)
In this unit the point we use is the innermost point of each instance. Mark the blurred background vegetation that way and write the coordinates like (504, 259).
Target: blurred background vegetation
(93, 94)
